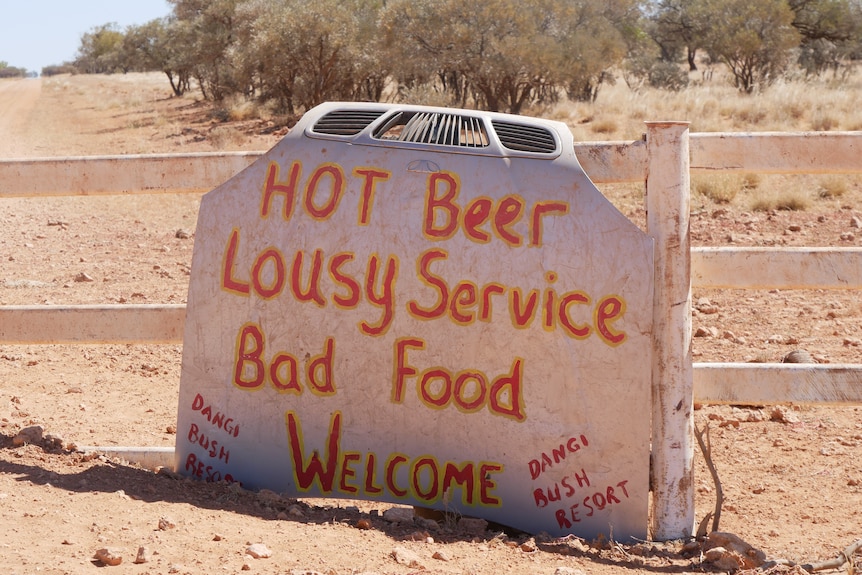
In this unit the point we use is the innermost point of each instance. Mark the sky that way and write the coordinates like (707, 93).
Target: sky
(38, 33)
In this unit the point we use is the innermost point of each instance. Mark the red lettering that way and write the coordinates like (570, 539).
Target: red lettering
(477, 213)
(608, 310)
(327, 209)
(386, 299)
(315, 471)
(371, 176)
(313, 291)
(402, 370)
(351, 298)
(540, 210)
(249, 348)
(510, 210)
(228, 282)
(347, 473)
(278, 274)
(424, 263)
(394, 461)
(445, 203)
(273, 186)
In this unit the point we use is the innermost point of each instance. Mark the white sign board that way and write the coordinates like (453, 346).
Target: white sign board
(463, 327)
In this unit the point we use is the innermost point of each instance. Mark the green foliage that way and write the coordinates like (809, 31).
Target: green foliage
(101, 50)
(754, 39)
(502, 55)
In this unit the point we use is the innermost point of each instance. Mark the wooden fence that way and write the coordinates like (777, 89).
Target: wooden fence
(663, 159)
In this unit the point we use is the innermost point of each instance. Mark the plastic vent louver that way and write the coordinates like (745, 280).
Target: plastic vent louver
(525, 138)
(435, 128)
(346, 122)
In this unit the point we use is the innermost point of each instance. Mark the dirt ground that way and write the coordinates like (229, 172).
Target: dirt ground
(792, 476)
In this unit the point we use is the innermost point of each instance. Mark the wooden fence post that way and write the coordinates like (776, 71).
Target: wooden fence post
(668, 206)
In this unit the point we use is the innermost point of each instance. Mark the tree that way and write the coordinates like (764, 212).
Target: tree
(830, 29)
(754, 39)
(207, 31)
(100, 50)
(304, 52)
(161, 45)
(679, 25)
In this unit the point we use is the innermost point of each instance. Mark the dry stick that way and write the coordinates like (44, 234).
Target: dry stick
(845, 556)
(706, 449)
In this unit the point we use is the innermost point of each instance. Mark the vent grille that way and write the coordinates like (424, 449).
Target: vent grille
(525, 138)
(346, 122)
(435, 128)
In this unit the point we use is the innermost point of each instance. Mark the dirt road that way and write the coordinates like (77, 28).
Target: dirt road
(18, 100)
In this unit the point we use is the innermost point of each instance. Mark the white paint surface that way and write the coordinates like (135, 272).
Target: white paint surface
(582, 403)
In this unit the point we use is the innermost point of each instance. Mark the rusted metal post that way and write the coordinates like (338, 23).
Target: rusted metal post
(668, 206)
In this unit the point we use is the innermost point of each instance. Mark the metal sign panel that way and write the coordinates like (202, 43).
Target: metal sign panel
(422, 324)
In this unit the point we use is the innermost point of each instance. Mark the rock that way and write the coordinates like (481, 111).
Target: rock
(441, 556)
(529, 546)
(738, 554)
(798, 356)
(166, 523)
(109, 556)
(144, 555)
(569, 571)
(259, 551)
(29, 436)
(53, 441)
(268, 497)
(855, 222)
(852, 341)
(364, 524)
(472, 525)
(83, 277)
(407, 558)
(426, 523)
(398, 515)
(182, 234)
(781, 414)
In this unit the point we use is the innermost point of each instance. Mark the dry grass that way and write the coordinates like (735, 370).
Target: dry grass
(823, 104)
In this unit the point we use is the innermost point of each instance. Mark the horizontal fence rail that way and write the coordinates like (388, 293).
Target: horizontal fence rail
(605, 163)
(113, 323)
(104, 175)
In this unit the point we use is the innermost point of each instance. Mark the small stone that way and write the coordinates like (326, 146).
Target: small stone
(259, 551)
(855, 222)
(848, 237)
(798, 356)
(166, 523)
(246, 566)
(171, 429)
(295, 511)
(83, 277)
(218, 537)
(109, 556)
(182, 234)
(144, 555)
(781, 414)
(569, 571)
(472, 525)
(852, 341)
(529, 546)
(363, 524)
(426, 523)
(407, 558)
(29, 436)
(737, 552)
(794, 228)
(398, 515)
(441, 556)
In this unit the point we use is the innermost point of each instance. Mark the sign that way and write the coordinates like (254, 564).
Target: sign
(423, 325)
